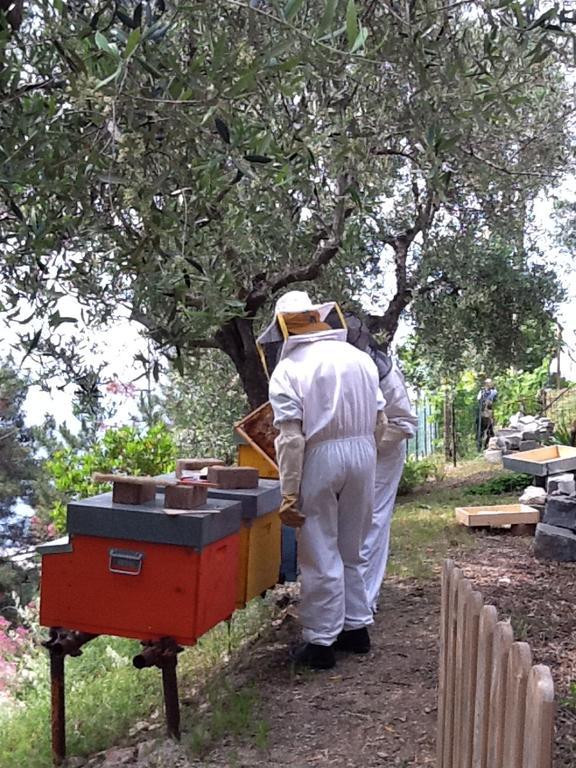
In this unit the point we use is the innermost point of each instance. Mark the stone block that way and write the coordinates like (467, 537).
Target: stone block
(233, 477)
(132, 493)
(563, 483)
(528, 445)
(561, 511)
(529, 435)
(533, 496)
(185, 496)
(493, 457)
(553, 543)
(513, 442)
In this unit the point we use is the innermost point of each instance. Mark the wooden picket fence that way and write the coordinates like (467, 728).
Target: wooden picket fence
(495, 709)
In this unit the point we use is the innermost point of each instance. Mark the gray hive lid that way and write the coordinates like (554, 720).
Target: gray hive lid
(99, 516)
(255, 501)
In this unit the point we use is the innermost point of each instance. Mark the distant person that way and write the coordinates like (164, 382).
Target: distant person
(486, 398)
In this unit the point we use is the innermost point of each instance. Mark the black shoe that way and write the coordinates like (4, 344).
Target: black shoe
(314, 656)
(353, 641)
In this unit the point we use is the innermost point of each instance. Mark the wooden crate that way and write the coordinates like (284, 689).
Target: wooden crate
(258, 433)
(497, 516)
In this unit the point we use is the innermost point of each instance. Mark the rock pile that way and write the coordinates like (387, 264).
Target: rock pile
(523, 433)
(556, 534)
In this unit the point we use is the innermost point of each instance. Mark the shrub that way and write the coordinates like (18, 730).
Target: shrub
(125, 449)
(510, 483)
(418, 471)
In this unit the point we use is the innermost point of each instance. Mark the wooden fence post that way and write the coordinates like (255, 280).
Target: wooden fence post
(464, 593)
(447, 576)
(452, 625)
(488, 621)
(473, 611)
(519, 665)
(539, 723)
(502, 640)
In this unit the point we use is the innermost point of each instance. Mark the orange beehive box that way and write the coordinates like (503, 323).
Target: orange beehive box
(134, 571)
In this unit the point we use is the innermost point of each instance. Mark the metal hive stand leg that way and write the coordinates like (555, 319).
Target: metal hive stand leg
(164, 655)
(61, 642)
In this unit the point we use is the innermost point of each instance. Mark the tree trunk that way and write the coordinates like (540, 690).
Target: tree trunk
(388, 322)
(236, 339)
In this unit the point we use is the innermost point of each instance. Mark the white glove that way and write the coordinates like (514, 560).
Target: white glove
(380, 430)
(290, 445)
(393, 434)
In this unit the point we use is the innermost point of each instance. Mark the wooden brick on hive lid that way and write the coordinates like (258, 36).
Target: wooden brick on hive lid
(128, 489)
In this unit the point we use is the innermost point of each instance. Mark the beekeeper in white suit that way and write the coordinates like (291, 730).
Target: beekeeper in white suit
(329, 410)
(391, 456)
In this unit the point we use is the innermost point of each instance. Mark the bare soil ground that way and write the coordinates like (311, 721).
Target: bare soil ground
(539, 598)
(380, 710)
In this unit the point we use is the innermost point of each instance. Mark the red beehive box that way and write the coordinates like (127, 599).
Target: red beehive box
(260, 535)
(134, 571)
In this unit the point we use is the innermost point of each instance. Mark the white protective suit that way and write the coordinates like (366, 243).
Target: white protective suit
(332, 389)
(402, 424)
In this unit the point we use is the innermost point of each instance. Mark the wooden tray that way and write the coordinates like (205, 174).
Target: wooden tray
(497, 516)
(542, 462)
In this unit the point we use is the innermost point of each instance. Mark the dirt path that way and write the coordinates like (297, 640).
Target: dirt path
(374, 710)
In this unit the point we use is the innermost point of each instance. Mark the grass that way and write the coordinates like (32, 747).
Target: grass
(424, 530)
(106, 695)
(227, 712)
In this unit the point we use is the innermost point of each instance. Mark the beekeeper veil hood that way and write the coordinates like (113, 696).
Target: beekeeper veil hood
(298, 320)
(361, 338)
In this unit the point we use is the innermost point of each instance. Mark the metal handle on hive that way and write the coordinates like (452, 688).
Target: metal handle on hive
(125, 562)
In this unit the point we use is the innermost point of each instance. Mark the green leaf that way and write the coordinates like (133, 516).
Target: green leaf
(291, 8)
(109, 79)
(104, 45)
(352, 30)
(360, 40)
(133, 40)
(56, 319)
(327, 17)
(332, 35)
(32, 345)
(112, 178)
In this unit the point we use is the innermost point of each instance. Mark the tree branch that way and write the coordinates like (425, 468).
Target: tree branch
(503, 169)
(163, 336)
(326, 250)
